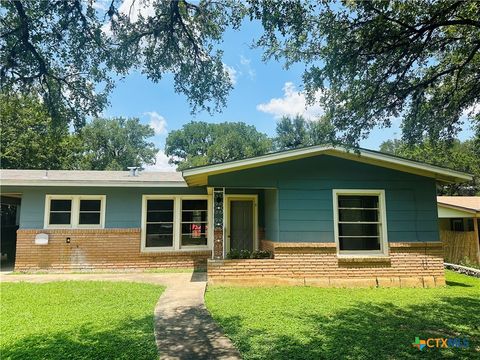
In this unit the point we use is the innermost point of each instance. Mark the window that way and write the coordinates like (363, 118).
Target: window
(194, 222)
(159, 230)
(360, 224)
(74, 211)
(60, 212)
(175, 222)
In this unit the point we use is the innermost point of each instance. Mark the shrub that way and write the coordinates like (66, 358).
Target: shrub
(261, 254)
(245, 254)
(233, 254)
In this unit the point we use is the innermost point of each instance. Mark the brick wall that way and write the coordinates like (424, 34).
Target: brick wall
(408, 265)
(97, 249)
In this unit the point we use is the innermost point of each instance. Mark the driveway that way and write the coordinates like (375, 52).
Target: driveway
(184, 328)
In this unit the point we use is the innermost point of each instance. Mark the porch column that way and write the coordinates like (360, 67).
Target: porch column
(218, 226)
(477, 238)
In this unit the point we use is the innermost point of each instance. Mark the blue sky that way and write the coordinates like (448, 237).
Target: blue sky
(262, 93)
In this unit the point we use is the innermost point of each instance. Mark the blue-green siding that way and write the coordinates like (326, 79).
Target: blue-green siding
(123, 210)
(295, 199)
(305, 203)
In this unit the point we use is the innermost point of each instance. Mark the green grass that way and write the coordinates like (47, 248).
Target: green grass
(78, 320)
(315, 323)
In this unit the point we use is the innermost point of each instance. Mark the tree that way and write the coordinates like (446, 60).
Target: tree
(297, 132)
(30, 140)
(70, 51)
(201, 143)
(372, 61)
(461, 156)
(115, 144)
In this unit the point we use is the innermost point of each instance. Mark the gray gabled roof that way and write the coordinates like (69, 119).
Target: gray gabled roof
(90, 178)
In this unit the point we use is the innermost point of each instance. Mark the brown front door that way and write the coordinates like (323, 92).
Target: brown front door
(241, 225)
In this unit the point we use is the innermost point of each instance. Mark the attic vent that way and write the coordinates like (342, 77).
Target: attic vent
(133, 170)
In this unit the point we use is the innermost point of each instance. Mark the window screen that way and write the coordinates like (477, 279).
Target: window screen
(359, 222)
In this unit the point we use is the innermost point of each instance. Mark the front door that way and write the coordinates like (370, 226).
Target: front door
(241, 225)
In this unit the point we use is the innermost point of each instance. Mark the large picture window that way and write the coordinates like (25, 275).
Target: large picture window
(360, 221)
(74, 211)
(175, 222)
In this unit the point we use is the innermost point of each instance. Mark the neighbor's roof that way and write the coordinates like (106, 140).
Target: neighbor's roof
(90, 178)
(199, 175)
(469, 203)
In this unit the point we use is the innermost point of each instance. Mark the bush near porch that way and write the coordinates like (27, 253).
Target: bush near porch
(78, 320)
(326, 323)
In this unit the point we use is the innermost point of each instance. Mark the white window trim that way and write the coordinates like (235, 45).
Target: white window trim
(75, 211)
(383, 225)
(177, 223)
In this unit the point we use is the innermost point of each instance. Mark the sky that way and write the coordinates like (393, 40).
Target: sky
(263, 92)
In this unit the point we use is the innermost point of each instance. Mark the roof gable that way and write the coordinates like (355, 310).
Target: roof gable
(199, 176)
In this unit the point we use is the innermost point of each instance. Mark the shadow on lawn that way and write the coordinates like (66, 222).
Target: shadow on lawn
(369, 331)
(133, 339)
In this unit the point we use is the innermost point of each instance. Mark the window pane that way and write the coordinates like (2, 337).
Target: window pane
(89, 218)
(189, 240)
(359, 243)
(357, 201)
(60, 205)
(160, 216)
(358, 229)
(358, 215)
(160, 205)
(90, 205)
(194, 204)
(159, 240)
(60, 218)
(162, 229)
(194, 215)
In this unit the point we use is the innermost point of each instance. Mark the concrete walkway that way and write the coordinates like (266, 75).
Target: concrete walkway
(184, 328)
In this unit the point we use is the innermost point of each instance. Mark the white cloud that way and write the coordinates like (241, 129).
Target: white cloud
(161, 163)
(292, 103)
(247, 65)
(232, 73)
(157, 122)
(135, 8)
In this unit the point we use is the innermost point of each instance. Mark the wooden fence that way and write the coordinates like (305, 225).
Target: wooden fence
(460, 245)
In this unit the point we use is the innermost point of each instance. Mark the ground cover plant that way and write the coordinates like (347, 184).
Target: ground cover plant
(78, 320)
(325, 323)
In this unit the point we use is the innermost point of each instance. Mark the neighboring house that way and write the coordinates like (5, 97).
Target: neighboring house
(329, 217)
(459, 223)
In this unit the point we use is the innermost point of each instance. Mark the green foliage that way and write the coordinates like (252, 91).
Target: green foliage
(297, 132)
(115, 144)
(78, 320)
(71, 51)
(302, 323)
(371, 61)
(461, 156)
(30, 140)
(201, 143)
(261, 254)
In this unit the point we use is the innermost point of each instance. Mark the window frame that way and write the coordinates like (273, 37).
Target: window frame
(177, 223)
(383, 233)
(74, 212)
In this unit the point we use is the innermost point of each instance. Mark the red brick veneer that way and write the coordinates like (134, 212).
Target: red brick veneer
(97, 249)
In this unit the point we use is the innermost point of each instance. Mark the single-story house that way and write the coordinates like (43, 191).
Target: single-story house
(459, 221)
(328, 215)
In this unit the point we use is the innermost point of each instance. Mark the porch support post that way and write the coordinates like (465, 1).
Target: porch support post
(218, 225)
(477, 238)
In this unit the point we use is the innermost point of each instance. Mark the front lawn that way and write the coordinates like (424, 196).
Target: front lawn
(319, 323)
(78, 320)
